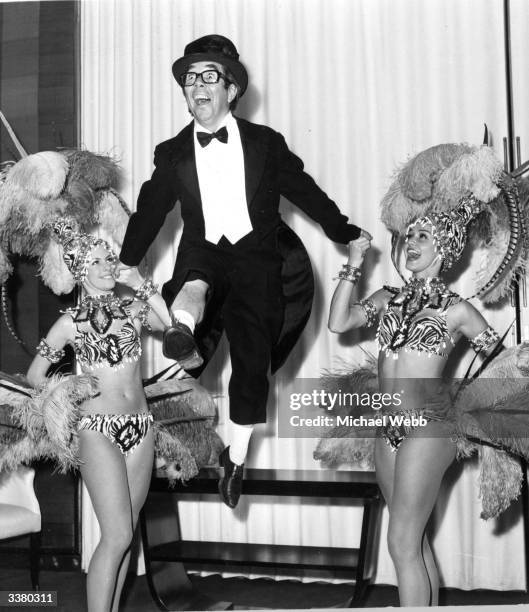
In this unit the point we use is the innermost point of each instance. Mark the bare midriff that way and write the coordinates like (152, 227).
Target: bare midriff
(120, 390)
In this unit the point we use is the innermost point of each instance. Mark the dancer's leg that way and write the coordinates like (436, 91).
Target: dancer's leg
(105, 476)
(420, 466)
(139, 470)
(385, 460)
(431, 568)
(385, 469)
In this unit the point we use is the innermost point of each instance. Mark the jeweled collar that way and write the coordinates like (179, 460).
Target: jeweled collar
(429, 284)
(416, 295)
(100, 310)
(419, 293)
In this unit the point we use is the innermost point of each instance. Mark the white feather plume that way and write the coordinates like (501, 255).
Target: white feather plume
(54, 272)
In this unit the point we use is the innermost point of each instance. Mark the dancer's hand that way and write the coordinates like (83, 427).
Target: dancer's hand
(522, 357)
(357, 250)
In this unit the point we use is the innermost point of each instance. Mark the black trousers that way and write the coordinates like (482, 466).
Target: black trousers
(245, 291)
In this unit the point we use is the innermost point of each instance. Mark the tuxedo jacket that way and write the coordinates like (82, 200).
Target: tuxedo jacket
(271, 171)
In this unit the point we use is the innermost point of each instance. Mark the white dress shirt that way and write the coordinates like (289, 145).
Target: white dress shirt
(220, 169)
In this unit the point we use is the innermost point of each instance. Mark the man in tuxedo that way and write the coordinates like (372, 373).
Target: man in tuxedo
(239, 267)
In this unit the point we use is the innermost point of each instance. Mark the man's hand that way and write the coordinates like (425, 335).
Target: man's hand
(129, 276)
(365, 234)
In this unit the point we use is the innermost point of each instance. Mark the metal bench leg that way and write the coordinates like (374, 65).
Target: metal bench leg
(148, 567)
(34, 559)
(368, 541)
(169, 583)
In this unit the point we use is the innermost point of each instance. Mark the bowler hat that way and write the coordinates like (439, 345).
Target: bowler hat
(215, 48)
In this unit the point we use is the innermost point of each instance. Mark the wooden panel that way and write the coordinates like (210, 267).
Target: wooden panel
(19, 73)
(57, 75)
(38, 96)
(18, 101)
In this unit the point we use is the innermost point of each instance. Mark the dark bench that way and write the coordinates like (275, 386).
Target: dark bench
(171, 589)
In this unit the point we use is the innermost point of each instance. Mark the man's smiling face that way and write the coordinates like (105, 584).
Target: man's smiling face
(209, 103)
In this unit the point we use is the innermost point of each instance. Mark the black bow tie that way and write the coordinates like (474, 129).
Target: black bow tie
(204, 138)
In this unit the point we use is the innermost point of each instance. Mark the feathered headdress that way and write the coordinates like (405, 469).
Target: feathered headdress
(452, 185)
(53, 184)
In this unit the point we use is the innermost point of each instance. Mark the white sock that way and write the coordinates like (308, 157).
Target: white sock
(182, 316)
(240, 438)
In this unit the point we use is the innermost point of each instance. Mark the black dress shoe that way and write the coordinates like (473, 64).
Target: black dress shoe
(230, 485)
(179, 344)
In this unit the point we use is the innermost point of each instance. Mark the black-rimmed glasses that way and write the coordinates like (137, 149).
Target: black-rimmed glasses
(209, 77)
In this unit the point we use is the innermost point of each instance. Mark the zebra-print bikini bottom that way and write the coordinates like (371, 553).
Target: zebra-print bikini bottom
(126, 431)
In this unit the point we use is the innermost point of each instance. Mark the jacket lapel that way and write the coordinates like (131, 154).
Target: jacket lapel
(253, 145)
(182, 155)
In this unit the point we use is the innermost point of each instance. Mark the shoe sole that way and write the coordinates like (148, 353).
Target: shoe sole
(223, 499)
(188, 357)
(190, 362)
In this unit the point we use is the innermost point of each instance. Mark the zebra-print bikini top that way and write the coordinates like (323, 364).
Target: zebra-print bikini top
(428, 334)
(424, 333)
(100, 348)
(95, 350)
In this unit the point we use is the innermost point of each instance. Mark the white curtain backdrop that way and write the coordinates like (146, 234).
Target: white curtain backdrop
(355, 87)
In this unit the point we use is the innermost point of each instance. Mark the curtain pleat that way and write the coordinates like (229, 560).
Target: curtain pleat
(356, 87)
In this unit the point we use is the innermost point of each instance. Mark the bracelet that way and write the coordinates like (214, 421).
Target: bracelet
(485, 340)
(370, 311)
(143, 316)
(349, 273)
(49, 353)
(146, 290)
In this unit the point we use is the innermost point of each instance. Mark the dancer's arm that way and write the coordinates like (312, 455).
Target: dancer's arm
(472, 324)
(343, 314)
(158, 317)
(50, 350)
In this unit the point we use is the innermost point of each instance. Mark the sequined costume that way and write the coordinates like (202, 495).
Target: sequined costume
(126, 431)
(100, 348)
(408, 324)
(96, 349)
(403, 327)
(428, 334)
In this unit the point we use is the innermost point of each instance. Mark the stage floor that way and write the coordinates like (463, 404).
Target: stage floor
(258, 593)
